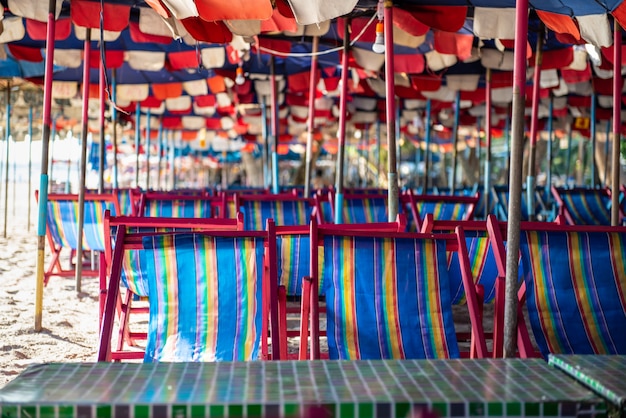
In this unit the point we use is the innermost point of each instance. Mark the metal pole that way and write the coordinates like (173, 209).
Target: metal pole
(51, 146)
(275, 126)
(427, 134)
(173, 154)
(148, 149)
(43, 181)
(392, 166)
(366, 148)
(617, 121)
(137, 141)
(102, 149)
(378, 139)
(341, 133)
(455, 140)
(311, 124)
(593, 139)
(569, 153)
(6, 156)
(479, 150)
(487, 181)
(534, 128)
(549, 153)
(160, 142)
(515, 179)
(267, 180)
(30, 163)
(83, 163)
(116, 184)
(606, 153)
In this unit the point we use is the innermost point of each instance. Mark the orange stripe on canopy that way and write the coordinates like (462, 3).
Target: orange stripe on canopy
(87, 14)
(446, 18)
(559, 23)
(167, 90)
(620, 14)
(212, 10)
(216, 84)
(408, 23)
(279, 23)
(158, 7)
(203, 31)
(454, 43)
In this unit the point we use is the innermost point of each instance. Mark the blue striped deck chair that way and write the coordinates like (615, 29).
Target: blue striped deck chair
(62, 228)
(441, 207)
(575, 280)
(213, 296)
(388, 295)
(134, 271)
(582, 206)
(126, 200)
(170, 205)
(362, 208)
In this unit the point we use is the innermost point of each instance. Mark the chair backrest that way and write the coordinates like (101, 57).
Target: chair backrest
(170, 205)
(212, 294)
(62, 219)
(441, 207)
(285, 209)
(361, 208)
(582, 206)
(387, 294)
(575, 281)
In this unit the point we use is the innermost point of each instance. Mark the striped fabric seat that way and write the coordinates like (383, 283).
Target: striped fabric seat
(576, 290)
(365, 210)
(205, 297)
(62, 217)
(387, 298)
(124, 196)
(449, 211)
(188, 208)
(284, 212)
(587, 206)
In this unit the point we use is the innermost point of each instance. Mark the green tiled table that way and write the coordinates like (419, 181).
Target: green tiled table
(448, 388)
(606, 375)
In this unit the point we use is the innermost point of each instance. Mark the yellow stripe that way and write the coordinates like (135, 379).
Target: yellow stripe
(391, 307)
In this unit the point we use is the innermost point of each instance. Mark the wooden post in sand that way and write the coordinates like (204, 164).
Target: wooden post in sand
(43, 182)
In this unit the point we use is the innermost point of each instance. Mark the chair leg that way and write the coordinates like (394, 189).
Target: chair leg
(498, 320)
(480, 299)
(282, 318)
(123, 318)
(304, 318)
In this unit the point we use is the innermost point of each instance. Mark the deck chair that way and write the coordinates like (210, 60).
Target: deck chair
(134, 279)
(575, 287)
(387, 294)
(442, 207)
(171, 205)
(62, 229)
(127, 200)
(582, 206)
(213, 295)
(361, 208)
(483, 267)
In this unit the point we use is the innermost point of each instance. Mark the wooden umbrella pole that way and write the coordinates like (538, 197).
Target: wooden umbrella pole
(427, 134)
(341, 133)
(549, 153)
(102, 150)
(43, 181)
(617, 121)
(534, 128)
(515, 179)
(392, 166)
(83, 164)
(311, 121)
(487, 181)
(30, 163)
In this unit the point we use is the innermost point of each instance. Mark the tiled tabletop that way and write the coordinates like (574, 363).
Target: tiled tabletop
(605, 375)
(387, 388)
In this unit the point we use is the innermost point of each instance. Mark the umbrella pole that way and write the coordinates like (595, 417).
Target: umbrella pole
(534, 128)
(343, 107)
(606, 180)
(617, 121)
(487, 174)
(6, 157)
(266, 145)
(549, 153)
(455, 140)
(515, 179)
(392, 169)
(52, 138)
(43, 181)
(102, 149)
(83, 164)
(30, 162)
(311, 121)
(569, 153)
(160, 145)
(137, 141)
(116, 184)
(479, 151)
(148, 149)
(275, 126)
(593, 135)
(378, 133)
(173, 156)
(427, 134)
(366, 148)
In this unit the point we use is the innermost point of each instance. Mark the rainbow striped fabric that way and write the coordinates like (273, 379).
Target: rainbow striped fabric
(125, 199)
(576, 291)
(178, 208)
(587, 207)
(283, 212)
(387, 298)
(368, 210)
(62, 218)
(448, 211)
(205, 297)
(483, 265)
